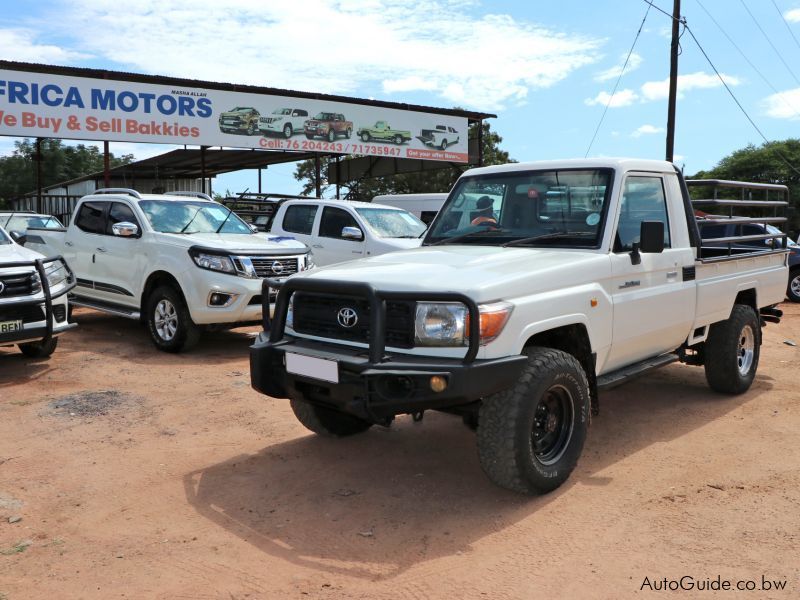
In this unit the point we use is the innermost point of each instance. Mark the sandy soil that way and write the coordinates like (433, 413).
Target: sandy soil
(140, 474)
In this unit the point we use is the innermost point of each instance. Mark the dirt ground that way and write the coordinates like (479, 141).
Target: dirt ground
(130, 473)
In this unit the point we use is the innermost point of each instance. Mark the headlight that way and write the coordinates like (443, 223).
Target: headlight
(56, 273)
(290, 314)
(214, 262)
(307, 262)
(440, 324)
(447, 323)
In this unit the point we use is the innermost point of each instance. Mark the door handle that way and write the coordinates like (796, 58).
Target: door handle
(70, 244)
(316, 246)
(101, 250)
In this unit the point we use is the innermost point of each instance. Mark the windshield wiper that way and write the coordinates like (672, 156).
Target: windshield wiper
(457, 238)
(185, 227)
(547, 236)
(221, 225)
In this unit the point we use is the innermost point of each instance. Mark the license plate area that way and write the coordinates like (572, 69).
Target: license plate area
(310, 366)
(10, 326)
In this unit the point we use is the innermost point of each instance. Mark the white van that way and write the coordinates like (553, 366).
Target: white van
(423, 206)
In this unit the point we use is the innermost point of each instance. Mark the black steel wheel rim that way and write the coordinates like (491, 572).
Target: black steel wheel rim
(552, 425)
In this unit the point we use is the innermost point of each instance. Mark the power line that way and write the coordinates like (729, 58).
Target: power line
(724, 83)
(749, 62)
(764, 33)
(616, 85)
(785, 23)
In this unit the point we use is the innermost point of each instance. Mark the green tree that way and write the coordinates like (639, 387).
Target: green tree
(58, 162)
(772, 162)
(439, 180)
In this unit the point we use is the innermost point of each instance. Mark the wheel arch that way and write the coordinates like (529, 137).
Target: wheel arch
(747, 297)
(574, 340)
(155, 279)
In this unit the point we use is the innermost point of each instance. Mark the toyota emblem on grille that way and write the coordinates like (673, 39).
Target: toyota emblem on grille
(2, 287)
(277, 267)
(347, 317)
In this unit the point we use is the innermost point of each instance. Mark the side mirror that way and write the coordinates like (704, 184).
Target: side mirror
(254, 228)
(352, 233)
(125, 229)
(651, 236)
(18, 237)
(651, 240)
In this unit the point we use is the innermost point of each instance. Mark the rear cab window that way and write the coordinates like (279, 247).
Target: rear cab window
(299, 218)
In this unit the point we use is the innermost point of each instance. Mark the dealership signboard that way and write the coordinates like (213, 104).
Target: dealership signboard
(45, 105)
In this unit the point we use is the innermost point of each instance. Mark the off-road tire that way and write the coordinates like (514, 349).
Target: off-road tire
(39, 349)
(168, 321)
(251, 129)
(398, 139)
(731, 353)
(326, 421)
(366, 137)
(512, 422)
(348, 133)
(793, 289)
(331, 135)
(287, 131)
(443, 145)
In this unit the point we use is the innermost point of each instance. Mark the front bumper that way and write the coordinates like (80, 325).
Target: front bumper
(374, 384)
(399, 384)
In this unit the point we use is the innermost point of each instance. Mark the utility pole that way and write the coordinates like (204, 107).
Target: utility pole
(673, 79)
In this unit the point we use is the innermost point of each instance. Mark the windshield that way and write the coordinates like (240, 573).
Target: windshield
(386, 222)
(23, 222)
(179, 216)
(325, 117)
(4, 239)
(537, 208)
(789, 242)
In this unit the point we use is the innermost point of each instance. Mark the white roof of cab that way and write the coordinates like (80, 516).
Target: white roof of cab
(339, 203)
(619, 164)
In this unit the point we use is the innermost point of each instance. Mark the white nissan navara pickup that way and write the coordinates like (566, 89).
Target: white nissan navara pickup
(178, 261)
(536, 286)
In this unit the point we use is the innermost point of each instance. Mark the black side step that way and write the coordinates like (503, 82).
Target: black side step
(108, 307)
(620, 376)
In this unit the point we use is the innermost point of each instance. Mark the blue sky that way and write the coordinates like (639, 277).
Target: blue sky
(545, 68)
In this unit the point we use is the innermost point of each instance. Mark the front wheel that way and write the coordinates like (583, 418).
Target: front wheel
(348, 133)
(309, 136)
(39, 349)
(331, 135)
(398, 139)
(732, 350)
(169, 322)
(287, 131)
(793, 290)
(443, 145)
(531, 436)
(326, 421)
(365, 137)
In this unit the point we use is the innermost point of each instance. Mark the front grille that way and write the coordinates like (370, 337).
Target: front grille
(266, 266)
(316, 314)
(28, 314)
(19, 284)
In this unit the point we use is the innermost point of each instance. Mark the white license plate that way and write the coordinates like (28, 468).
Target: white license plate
(318, 368)
(9, 326)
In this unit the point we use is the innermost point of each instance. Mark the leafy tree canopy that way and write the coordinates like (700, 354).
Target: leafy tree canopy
(440, 180)
(59, 163)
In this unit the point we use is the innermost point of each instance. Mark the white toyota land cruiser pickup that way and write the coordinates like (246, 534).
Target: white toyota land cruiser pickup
(178, 261)
(33, 297)
(578, 275)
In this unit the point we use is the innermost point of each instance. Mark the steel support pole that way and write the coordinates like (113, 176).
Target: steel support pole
(673, 79)
(203, 168)
(317, 170)
(38, 175)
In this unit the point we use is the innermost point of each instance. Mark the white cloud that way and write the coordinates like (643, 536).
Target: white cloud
(793, 16)
(634, 62)
(333, 47)
(783, 105)
(647, 130)
(21, 45)
(659, 90)
(621, 98)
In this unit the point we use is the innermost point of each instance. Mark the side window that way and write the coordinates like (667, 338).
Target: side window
(333, 221)
(299, 218)
(90, 217)
(754, 230)
(643, 199)
(119, 213)
(427, 216)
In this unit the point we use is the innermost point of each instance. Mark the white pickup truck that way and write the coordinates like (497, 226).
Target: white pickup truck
(178, 261)
(341, 230)
(568, 278)
(33, 297)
